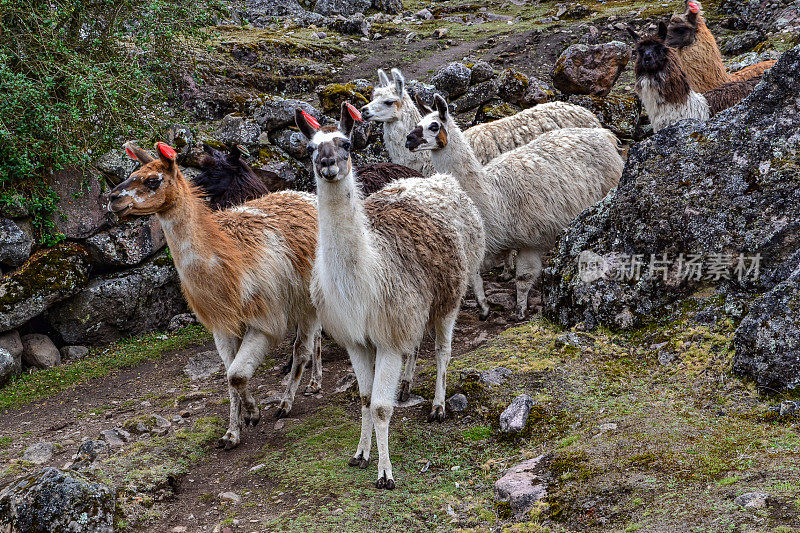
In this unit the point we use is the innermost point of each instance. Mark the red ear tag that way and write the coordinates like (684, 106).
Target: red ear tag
(167, 151)
(311, 120)
(694, 8)
(130, 153)
(355, 113)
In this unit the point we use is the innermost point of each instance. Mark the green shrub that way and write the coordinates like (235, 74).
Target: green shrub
(76, 77)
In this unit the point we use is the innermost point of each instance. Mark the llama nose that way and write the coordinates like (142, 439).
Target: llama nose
(365, 112)
(327, 161)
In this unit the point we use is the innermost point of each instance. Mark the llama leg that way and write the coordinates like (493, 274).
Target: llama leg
(529, 267)
(408, 377)
(363, 361)
(508, 267)
(388, 366)
(315, 384)
(302, 352)
(255, 345)
(444, 341)
(480, 296)
(227, 346)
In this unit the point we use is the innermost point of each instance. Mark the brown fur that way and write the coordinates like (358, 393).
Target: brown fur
(428, 250)
(729, 94)
(701, 58)
(675, 84)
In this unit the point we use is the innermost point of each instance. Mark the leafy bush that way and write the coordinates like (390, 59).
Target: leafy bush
(76, 76)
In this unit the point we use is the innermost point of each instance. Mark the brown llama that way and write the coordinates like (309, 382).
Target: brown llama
(699, 53)
(245, 272)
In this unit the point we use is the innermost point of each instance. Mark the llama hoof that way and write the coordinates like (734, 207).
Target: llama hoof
(228, 441)
(385, 483)
(312, 388)
(518, 316)
(359, 461)
(283, 409)
(405, 392)
(484, 314)
(437, 414)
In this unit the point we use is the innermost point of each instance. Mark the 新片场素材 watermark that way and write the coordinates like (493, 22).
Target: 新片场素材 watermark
(692, 267)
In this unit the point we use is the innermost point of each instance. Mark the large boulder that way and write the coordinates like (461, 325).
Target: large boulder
(619, 113)
(81, 209)
(11, 342)
(388, 6)
(766, 15)
(8, 366)
(590, 69)
(38, 351)
(332, 96)
(57, 501)
(767, 341)
(720, 199)
(16, 241)
(273, 113)
(128, 243)
(235, 129)
(126, 303)
(115, 166)
(342, 7)
(452, 79)
(49, 276)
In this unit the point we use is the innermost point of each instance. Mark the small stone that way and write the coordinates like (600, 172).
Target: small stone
(575, 339)
(752, 500)
(203, 365)
(515, 416)
(39, 453)
(73, 353)
(185, 319)
(410, 37)
(457, 403)
(161, 422)
(440, 33)
(89, 450)
(424, 14)
(788, 408)
(39, 351)
(115, 438)
(279, 425)
(521, 486)
(231, 497)
(413, 400)
(608, 427)
(258, 468)
(495, 376)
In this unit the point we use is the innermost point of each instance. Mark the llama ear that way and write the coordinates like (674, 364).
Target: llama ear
(167, 154)
(634, 34)
(308, 125)
(441, 107)
(662, 30)
(347, 121)
(421, 105)
(383, 78)
(399, 81)
(134, 152)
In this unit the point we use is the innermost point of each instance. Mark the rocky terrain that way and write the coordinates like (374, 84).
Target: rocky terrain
(658, 402)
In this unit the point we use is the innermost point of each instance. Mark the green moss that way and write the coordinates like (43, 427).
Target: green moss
(332, 95)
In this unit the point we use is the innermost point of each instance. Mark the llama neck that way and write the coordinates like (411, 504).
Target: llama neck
(458, 159)
(702, 61)
(664, 111)
(395, 132)
(195, 241)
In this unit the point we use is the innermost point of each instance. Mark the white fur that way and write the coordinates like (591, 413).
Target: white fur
(662, 113)
(365, 293)
(529, 195)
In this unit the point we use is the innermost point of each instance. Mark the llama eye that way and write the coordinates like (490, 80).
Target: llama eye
(388, 103)
(346, 145)
(153, 183)
(434, 127)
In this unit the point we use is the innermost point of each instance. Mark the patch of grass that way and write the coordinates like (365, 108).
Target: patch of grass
(126, 353)
(568, 441)
(730, 480)
(477, 433)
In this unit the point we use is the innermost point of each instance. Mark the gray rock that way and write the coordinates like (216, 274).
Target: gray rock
(575, 339)
(522, 486)
(181, 321)
(126, 303)
(273, 113)
(752, 500)
(513, 86)
(88, 452)
(617, 112)
(235, 129)
(39, 453)
(353, 25)
(750, 58)
(203, 365)
(47, 277)
(230, 497)
(481, 71)
(495, 376)
(424, 91)
(388, 6)
(744, 42)
(73, 353)
(342, 7)
(39, 351)
(452, 78)
(538, 92)
(263, 12)
(57, 501)
(115, 438)
(12, 343)
(457, 403)
(128, 243)
(276, 162)
(412, 401)
(788, 408)
(590, 69)
(515, 416)
(8, 366)
(476, 95)
(16, 241)
(502, 299)
(116, 166)
(293, 143)
(767, 341)
(719, 188)
(81, 208)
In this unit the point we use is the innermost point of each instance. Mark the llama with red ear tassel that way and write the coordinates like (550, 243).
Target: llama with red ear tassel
(699, 54)
(245, 272)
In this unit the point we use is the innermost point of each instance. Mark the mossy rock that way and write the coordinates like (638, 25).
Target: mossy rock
(332, 95)
(48, 276)
(617, 112)
(495, 111)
